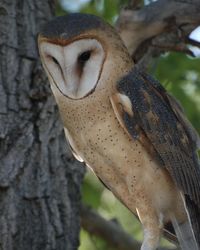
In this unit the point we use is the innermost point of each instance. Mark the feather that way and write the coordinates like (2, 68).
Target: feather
(158, 122)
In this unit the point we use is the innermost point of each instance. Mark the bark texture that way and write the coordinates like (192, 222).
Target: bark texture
(161, 26)
(39, 180)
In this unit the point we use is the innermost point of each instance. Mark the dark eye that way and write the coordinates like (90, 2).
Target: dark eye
(55, 61)
(84, 57)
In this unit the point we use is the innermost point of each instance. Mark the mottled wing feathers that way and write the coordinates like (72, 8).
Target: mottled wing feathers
(130, 125)
(160, 127)
(192, 133)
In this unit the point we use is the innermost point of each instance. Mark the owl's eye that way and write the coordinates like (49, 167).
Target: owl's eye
(84, 57)
(55, 61)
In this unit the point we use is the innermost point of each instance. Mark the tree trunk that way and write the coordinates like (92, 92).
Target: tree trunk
(39, 180)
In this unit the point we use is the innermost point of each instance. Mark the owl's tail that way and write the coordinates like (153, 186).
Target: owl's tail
(188, 233)
(194, 216)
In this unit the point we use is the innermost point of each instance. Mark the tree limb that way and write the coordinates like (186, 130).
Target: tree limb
(147, 30)
(110, 231)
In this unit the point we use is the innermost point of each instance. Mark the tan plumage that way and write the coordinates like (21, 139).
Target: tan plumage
(123, 125)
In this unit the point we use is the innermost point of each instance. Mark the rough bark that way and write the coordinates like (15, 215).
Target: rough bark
(39, 180)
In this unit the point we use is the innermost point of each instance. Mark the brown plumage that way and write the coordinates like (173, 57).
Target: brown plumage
(123, 124)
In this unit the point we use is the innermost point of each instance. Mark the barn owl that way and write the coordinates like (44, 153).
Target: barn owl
(125, 126)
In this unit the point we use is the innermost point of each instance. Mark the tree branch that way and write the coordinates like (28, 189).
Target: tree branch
(134, 4)
(147, 30)
(110, 231)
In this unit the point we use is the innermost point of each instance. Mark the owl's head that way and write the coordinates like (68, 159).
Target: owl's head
(78, 51)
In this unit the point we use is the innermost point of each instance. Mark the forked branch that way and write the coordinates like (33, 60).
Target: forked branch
(161, 26)
(110, 231)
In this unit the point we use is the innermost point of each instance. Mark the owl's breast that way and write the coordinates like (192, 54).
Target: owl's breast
(122, 163)
(103, 145)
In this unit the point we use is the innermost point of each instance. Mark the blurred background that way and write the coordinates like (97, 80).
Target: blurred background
(180, 75)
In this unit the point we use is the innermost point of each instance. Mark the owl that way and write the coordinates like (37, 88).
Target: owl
(124, 125)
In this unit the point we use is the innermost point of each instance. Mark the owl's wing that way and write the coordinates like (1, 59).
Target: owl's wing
(178, 110)
(148, 114)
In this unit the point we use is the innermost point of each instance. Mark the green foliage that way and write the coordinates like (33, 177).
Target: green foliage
(100, 198)
(91, 242)
(107, 9)
(180, 75)
(93, 190)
